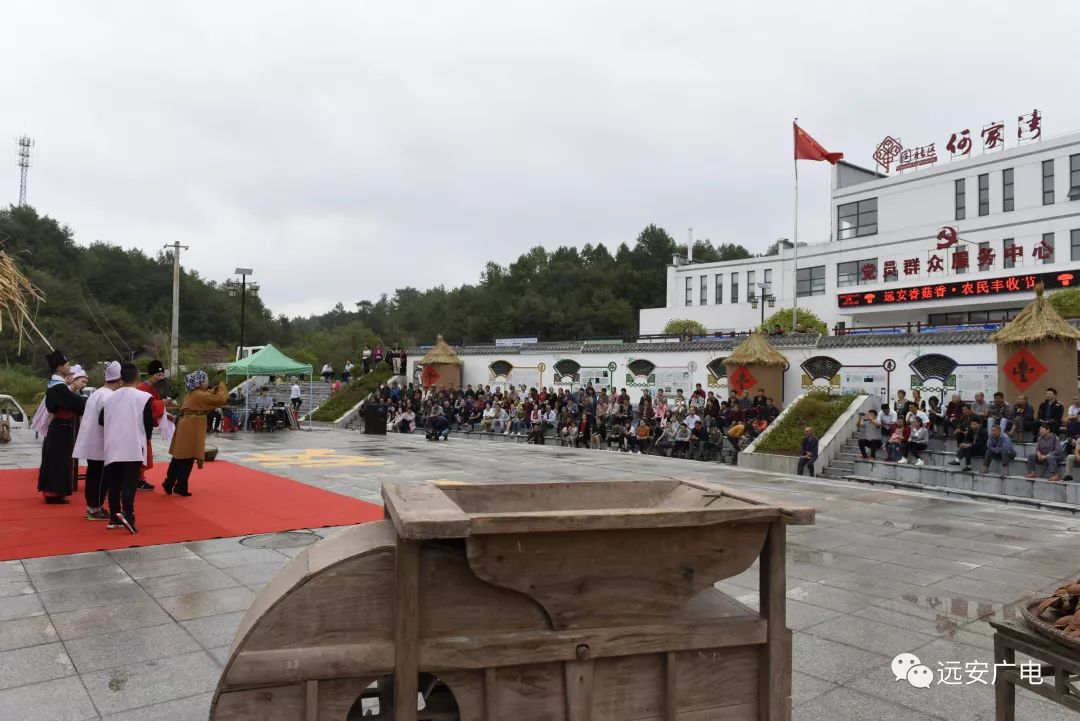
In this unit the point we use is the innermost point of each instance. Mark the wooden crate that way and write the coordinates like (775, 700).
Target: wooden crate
(581, 601)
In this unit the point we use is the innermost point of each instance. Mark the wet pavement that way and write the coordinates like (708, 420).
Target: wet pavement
(142, 633)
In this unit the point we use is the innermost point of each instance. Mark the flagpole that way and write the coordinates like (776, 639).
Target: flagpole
(795, 298)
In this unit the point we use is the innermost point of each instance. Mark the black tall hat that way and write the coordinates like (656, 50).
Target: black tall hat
(155, 366)
(55, 359)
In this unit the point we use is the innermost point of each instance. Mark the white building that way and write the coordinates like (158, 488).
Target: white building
(885, 250)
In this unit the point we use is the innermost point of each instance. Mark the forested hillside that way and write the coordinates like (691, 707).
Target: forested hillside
(103, 301)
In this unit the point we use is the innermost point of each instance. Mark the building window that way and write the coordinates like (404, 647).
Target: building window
(1048, 248)
(1074, 177)
(768, 280)
(1074, 238)
(751, 288)
(984, 194)
(1048, 182)
(689, 290)
(719, 288)
(734, 287)
(855, 220)
(810, 281)
(851, 272)
(985, 245)
(1007, 190)
(998, 315)
(704, 290)
(1006, 260)
(961, 199)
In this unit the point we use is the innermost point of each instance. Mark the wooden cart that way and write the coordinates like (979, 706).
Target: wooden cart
(581, 601)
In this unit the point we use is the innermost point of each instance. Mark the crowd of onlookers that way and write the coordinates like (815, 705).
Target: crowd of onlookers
(699, 425)
(370, 358)
(984, 431)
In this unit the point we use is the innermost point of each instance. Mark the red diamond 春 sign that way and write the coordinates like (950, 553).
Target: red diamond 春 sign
(1023, 369)
(742, 379)
(429, 376)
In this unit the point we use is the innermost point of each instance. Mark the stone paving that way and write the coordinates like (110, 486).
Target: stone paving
(143, 633)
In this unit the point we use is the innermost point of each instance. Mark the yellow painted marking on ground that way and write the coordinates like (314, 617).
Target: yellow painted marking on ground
(313, 458)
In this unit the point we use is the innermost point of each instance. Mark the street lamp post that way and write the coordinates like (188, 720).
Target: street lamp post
(243, 273)
(766, 297)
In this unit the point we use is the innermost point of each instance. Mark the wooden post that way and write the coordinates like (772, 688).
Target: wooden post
(671, 702)
(579, 690)
(491, 696)
(406, 629)
(773, 700)
(1004, 691)
(311, 704)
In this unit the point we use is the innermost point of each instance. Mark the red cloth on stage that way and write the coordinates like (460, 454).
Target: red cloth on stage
(806, 148)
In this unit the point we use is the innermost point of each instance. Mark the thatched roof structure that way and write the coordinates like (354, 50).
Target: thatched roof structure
(17, 295)
(1038, 321)
(755, 351)
(442, 353)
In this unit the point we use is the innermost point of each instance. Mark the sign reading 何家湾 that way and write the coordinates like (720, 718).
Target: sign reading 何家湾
(960, 289)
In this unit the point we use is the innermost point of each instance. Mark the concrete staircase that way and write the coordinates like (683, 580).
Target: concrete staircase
(280, 393)
(938, 476)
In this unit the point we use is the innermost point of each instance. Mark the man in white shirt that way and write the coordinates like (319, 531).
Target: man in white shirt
(488, 418)
(692, 419)
(294, 396)
(90, 445)
(128, 419)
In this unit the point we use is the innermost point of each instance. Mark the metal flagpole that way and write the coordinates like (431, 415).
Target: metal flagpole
(795, 299)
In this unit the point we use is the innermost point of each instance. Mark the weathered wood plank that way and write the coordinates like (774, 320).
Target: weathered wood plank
(671, 687)
(422, 511)
(406, 629)
(475, 651)
(311, 705)
(772, 699)
(793, 515)
(628, 518)
(579, 690)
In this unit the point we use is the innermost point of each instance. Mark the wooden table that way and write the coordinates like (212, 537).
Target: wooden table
(1060, 667)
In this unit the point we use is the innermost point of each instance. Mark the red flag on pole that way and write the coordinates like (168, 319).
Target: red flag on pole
(806, 148)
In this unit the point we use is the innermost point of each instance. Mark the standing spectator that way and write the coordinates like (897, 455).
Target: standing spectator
(1047, 450)
(403, 358)
(972, 445)
(347, 373)
(365, 360)
(327, 372)
(1051, 411)
(294, 396)
(999, 447)
(735, 434)
(870, 428)
(809, 452)
(376, 356)
(918, 439)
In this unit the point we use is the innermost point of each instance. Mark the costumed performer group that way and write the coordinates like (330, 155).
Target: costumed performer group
(111, 431)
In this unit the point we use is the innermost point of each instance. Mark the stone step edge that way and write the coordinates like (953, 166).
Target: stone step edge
(974, 495)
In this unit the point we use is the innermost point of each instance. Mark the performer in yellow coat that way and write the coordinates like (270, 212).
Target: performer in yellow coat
(189, 441)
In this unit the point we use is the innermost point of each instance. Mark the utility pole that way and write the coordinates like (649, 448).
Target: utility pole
(174, 355)
(243, 273)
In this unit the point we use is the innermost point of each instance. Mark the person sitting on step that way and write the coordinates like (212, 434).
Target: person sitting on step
(918, 440)
(1047, 450)
(971, 445)
(999, 447)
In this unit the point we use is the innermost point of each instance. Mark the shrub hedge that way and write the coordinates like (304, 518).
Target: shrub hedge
(339, 403)
(817, 410)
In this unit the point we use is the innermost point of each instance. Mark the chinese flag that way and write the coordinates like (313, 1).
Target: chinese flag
(806, 148)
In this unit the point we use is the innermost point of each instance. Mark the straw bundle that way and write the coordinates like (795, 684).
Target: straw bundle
(441, 353)
(755, 351)
(17, 294)
(1038, 321)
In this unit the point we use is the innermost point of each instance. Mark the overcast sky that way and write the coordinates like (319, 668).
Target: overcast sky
(344, 149)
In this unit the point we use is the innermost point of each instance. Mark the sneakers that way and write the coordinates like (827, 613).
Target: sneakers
(123, 521)
(966, 468)
(903, 460)
(96, 514)
(954, 462)
(919, 462)
(144, 486)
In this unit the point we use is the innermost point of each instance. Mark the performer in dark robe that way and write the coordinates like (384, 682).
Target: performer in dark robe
(155, 375)
(56, 477)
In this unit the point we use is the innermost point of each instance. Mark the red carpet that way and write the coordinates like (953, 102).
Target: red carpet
(227, 500)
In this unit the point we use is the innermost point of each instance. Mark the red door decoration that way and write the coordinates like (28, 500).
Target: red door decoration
(429, 376)
(1023, 369)
(742, 379)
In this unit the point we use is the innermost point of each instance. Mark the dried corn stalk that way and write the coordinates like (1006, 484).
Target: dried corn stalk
(17, 295)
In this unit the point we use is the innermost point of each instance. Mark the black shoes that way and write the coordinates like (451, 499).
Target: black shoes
(183, 493)
(56, 500)
(144, 486)
(168, 486)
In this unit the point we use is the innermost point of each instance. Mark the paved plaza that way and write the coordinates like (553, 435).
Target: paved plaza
(143, 633)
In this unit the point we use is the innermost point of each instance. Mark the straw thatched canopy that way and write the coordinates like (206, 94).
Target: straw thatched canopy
(17, 295)
(756, 351)
(1038, 321)
(441, 353)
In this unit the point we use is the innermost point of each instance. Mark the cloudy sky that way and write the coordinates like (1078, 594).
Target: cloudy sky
(343, 149)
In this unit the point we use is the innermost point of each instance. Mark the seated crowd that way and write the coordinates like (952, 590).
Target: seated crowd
(696, 426)
(983, 431)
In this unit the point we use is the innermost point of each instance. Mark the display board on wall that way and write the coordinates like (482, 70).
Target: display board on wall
(670, 379)
(871, 381)
(528, 377)
(829, 384)
(967, 380)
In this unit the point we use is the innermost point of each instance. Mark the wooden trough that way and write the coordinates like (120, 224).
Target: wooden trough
(582, 601)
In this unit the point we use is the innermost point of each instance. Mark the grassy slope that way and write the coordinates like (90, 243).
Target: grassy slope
(816, 410)
(337, 404)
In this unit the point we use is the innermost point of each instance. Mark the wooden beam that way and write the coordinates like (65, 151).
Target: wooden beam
(491, 695)
(671, 691)
(363, 660)
(579, 690)
(311, 702)
(406, 629)
(773, 700)
(605, 520)
(422, 511)
(793, 515)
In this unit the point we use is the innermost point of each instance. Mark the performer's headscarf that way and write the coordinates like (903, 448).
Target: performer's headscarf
(77, 372)
(194, 380)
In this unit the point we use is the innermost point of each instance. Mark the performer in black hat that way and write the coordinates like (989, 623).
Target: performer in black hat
(56, 477)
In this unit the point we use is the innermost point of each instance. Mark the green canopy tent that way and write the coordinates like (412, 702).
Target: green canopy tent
(270, 362)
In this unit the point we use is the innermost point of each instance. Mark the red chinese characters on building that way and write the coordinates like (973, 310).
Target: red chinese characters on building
(1014, 252)
(741, 379)
(887, 150)
(911, 266)
(1029, 126)
(1043, 251)
(849, 299)
(994, 135)
(1012, 284)
(959, 260)
(429, 376)
(959, 143)
(936, 264)
(1023, 369)
(869, 271)
(889, 270)
(986, 257)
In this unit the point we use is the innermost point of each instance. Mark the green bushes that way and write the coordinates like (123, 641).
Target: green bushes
(23, 384)
(817, 410)
(338, 404)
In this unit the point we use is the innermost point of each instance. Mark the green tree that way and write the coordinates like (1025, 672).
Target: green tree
(807, 319)
(1066, 302)
(684, 328)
